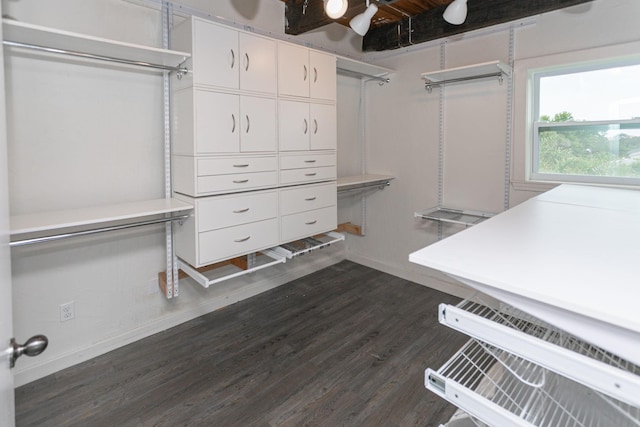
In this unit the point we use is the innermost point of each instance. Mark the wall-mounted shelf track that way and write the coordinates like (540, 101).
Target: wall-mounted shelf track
(28, 36)
(483, 70)
(453, 216)
(363, 69)
(56, 225)
(363, 182)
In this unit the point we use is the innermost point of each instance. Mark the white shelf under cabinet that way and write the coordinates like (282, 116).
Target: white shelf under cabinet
(94, 217)
(362, 68)
(30, 34)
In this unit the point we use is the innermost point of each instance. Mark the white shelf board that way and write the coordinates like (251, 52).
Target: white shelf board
(568, 256)
(49, 37)
(93, 216)
(362, 68)
(367, 180)
(467, 72)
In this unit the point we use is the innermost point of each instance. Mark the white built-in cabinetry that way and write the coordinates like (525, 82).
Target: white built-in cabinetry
(254, 142)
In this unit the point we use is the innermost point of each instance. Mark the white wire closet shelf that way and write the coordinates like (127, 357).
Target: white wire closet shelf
(545, 345)
(483, 70)
(363, 182)
(453, 216)
(363, 69)
(24, 35)
(478, 381)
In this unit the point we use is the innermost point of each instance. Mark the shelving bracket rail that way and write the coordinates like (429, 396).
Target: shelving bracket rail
(179, 70)
(462, 74)
(61, 236)
(428, 84)
(379, 185)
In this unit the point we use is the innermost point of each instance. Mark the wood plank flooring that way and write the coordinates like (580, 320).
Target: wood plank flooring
(345, 346)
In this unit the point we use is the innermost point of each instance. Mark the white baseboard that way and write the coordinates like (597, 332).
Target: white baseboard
(278, 276)
(417, 274)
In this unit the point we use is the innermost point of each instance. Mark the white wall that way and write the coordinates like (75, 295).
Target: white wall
(84, 135)
(403, 131)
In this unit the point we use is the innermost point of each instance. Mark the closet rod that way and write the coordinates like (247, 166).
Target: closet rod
(95, 230)
(380, 185)
(180, 71)
(428, 83)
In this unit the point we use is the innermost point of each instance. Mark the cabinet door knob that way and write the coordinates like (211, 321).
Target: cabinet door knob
(248, 122)
(233, 59)
(242, 240)
(233, 121)
(241, 210)
(246, 62)
(311, 222)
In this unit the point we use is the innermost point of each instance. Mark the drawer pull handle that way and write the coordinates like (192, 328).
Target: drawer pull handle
(315, 74)
(306, 126)
(240, 181)
(311, 222)
(246, 64)
(309, 161)
(315, 129)
(248, 122)
(242, 240)
(305, 73)
(233, 126)
(310, 199)
(241, 166)
(310, 174)
(241, 210)
(233, 58)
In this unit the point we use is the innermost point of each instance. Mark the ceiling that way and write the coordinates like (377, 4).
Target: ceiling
(400, 23)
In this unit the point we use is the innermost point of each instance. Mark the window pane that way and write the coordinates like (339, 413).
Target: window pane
(606, 150)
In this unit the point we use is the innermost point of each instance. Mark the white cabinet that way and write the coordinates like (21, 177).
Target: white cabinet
(208, 122)
(306, 126)
(306, 73)
(224, 57)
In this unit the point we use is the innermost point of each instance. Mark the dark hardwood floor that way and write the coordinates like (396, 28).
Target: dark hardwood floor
(345, 346)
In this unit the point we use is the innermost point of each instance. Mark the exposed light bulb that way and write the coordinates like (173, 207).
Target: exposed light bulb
(335, 8)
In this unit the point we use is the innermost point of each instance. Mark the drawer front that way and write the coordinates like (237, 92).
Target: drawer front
(309, 161)
(307, 197)
(236, 182)
(298, 176)
(226, 211)
(234, 165)
(218, 245)
(307, 224)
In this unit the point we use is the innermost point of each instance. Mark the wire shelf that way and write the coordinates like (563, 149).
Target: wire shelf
(481, 370)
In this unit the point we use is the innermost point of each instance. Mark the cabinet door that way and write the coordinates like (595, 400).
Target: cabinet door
(293, 125)
(322, 127)
(293, 70)
(257, 63)
(217, 123)
(258, 119)
(323, 75)
(215, 55)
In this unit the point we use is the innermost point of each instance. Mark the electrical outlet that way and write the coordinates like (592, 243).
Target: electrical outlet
(67, 311)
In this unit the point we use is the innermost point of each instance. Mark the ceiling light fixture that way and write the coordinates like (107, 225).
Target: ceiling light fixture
(335, 8)
(456, 12)
(360, 24)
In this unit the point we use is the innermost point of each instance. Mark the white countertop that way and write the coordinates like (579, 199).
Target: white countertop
(574, 249)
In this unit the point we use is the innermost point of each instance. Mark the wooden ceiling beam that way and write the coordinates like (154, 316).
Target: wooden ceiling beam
(430, 25)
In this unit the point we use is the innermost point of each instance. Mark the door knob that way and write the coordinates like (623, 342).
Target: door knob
(33, 347)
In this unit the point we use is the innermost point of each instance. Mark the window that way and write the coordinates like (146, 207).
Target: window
(586, 124)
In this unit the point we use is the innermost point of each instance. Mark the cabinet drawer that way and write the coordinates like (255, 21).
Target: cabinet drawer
(295, 176)
(226, 211)
(218, 245)
(307, 197)
(306, 224)
(236, 165)
(236, 182)
(308, 161)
